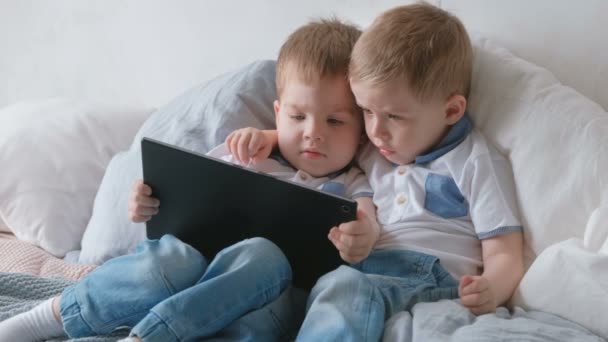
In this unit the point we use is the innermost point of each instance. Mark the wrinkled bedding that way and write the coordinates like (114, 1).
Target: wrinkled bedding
(29, 275)
(449, 321)
(441, 321)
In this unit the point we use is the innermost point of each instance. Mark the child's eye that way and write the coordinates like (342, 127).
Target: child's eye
(297, 117)
(334, 122)
(394, 117)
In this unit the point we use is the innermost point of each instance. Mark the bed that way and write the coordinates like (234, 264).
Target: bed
(84, 81)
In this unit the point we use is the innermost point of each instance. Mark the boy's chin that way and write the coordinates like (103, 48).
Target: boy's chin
(398, 160)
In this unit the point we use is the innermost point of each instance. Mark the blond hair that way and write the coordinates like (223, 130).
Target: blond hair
(316, 50)
(421, 44)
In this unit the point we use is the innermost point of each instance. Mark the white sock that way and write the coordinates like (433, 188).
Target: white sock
(38, 324)
(127, 339)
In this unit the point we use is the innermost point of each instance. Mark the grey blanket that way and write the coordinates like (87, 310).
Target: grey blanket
(21, 292)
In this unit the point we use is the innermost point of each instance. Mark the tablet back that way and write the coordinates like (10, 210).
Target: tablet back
(211, 204)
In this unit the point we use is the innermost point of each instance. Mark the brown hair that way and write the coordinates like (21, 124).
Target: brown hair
(421, 44)
(320, 48)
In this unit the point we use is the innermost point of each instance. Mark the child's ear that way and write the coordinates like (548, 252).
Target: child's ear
(276, 106)
(455, 107)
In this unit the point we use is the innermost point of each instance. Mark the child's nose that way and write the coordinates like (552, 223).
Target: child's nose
(377, 129)
(314, 131)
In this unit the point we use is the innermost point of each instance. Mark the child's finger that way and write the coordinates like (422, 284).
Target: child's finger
(334, 237)
(351, 258)
(342, 241)
(254, 144)
(350, 228)
(354, 227)
(232, 143)
(361, 215)
(146, 211)
(477, 285)
(229, 141)
(464, 282)
(142, 188)
(475, 299)
(243, 149)
(147, 201)
(140, 219)
(333, 234)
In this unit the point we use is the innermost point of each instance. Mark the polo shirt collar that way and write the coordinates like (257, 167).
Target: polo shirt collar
(457, 133)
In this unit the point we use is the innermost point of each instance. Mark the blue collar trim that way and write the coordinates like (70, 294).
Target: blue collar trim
(457, 133)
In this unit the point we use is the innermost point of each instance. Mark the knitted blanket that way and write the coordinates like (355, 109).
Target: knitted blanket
(20, 292)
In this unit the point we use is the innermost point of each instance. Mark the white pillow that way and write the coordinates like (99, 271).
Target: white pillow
(53, 154)
(198, 120)
(3, 227)
(557, 141)
(577, 270)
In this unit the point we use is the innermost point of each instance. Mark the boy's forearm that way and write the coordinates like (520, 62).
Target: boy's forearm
(503, 272)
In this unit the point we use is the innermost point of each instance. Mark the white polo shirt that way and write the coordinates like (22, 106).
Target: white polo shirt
(351, 183)
(445, 202)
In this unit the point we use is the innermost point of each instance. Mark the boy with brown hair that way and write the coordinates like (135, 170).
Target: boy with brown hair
(168, 291)
(441, 191)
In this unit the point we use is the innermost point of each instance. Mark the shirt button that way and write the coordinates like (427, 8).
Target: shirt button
(401, 199)
(303, 176)
(402, 171)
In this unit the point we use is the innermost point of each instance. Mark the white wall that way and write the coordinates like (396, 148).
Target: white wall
(570, 38)
(144, 52)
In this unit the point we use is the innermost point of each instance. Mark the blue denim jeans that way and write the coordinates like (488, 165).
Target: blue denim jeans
(352, 303)
(167, 291)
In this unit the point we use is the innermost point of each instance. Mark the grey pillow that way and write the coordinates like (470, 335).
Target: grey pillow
(197, 120)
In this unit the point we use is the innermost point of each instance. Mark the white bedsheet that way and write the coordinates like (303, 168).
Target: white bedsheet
(449, 321)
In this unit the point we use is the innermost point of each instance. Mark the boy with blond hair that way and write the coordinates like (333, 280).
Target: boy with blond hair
(445, 197)
(166, 290)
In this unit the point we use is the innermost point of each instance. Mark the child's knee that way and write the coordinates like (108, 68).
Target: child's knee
(263, 246)
(342, 277)
(262, 252)
(181, 264)
(341, 286)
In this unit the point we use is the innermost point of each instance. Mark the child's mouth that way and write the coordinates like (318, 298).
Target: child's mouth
(312, 154)
(385, 152)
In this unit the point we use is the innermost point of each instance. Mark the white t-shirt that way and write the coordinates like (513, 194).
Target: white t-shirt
(351, 183)
(447, 201)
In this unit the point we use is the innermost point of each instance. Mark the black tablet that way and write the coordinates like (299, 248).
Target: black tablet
(212, 204)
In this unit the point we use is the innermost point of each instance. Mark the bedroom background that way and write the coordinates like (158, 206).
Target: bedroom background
(80, 77)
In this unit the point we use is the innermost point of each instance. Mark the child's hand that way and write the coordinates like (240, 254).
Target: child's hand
(355, 239)
(142, 206)
(476, 294)
(251, 144)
